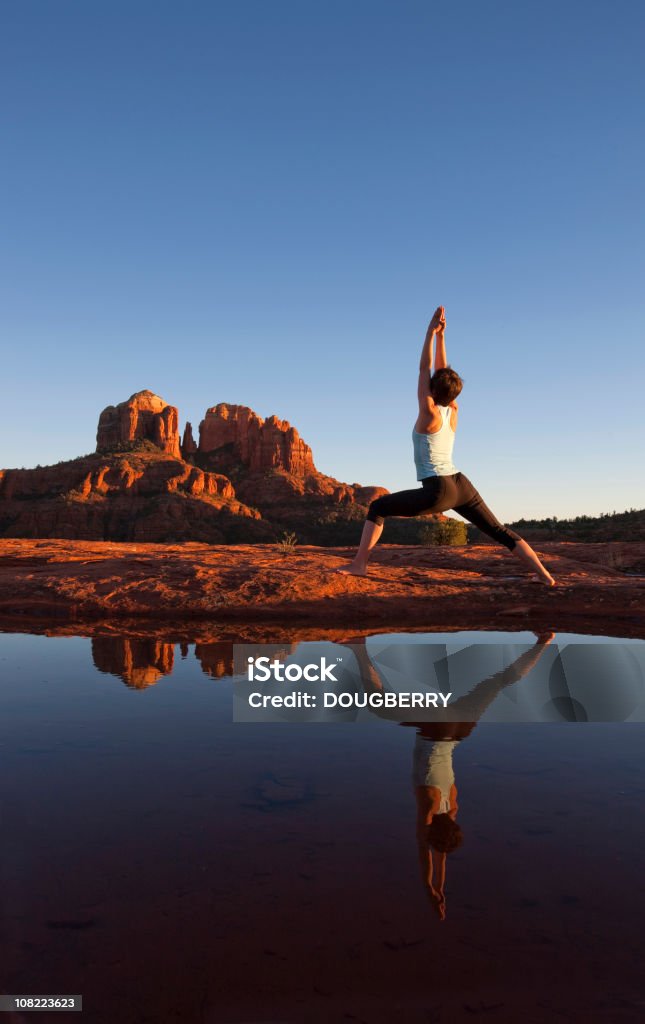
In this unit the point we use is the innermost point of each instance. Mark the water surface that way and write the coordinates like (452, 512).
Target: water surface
(172, 865)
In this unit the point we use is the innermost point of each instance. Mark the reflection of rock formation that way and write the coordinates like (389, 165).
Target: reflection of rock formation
(139, 663)
(216, 659)
(142, 663)
(144, 417)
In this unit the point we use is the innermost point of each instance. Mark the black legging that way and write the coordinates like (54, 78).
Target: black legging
(438, 494)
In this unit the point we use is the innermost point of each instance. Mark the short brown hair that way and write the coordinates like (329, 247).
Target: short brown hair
(445, 385)
(444, 834)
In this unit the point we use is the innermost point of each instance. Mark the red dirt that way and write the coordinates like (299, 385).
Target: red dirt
(205, 591)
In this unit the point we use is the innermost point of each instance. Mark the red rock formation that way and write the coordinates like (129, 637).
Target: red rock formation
(366, 495)
(144, 417)
(137, 487)
(279, 476)
(188, 446)
(257, 444)
(99, 476)
(143, 496)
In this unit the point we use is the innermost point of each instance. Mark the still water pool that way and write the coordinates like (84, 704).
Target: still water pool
(170, 864)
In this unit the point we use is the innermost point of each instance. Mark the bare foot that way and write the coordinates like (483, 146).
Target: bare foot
(546, 637)
(353, 569)
(546, 581)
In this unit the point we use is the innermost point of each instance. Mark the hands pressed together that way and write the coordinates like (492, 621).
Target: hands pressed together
(438, 322)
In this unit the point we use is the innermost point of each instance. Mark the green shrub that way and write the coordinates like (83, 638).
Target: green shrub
(140, 444)
(452, 532)
(287, 544)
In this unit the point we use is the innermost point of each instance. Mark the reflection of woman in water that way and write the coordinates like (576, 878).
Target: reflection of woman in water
(442, 486)
(433, 777)
(438, 833)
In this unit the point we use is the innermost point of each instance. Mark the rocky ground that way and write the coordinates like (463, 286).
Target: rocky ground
(210, 592)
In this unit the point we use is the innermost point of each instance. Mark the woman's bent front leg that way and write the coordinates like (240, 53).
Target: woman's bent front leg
(369, 538)
(401, 503)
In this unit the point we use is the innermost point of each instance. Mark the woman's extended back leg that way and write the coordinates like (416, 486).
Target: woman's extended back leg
(477, 512)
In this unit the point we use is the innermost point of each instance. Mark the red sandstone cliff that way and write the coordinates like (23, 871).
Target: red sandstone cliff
(273, 470)
(135, 473)
(256, 443)
(188, 446)
(144, 417)
(134, 496)
(248, 479)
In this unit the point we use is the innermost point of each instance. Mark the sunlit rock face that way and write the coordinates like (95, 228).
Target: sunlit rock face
(248, 480)
(188, 445)
(143, 417)
(273, 469)
(256, 443)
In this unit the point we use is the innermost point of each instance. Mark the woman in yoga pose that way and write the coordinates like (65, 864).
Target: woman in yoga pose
(442, 486)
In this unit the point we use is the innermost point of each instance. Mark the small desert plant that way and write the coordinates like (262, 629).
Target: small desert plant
(614, 559)
(287, 543)
(451, 532)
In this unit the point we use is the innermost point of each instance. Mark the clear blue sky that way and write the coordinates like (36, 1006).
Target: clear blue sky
(262, 203)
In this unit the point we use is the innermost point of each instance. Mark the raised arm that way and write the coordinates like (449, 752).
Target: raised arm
(425, 363)
(427, 408)
(440, 361)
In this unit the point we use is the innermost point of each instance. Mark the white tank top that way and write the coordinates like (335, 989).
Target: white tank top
(433, 452)
(433, 767)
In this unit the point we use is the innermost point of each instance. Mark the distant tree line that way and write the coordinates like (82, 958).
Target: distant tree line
(609, 526)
